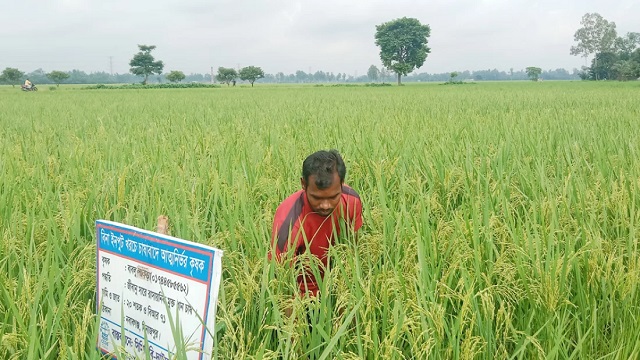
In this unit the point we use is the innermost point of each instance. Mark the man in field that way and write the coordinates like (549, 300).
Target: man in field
(310, 219)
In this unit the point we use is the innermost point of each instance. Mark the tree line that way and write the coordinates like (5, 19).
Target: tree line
(403, 49)
(39, 76)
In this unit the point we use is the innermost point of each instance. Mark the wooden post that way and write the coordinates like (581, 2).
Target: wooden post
(163, 225)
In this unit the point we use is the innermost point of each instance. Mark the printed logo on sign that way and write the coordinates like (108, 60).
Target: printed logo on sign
(104, 333)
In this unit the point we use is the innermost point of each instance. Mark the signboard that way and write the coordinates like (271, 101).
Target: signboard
(142, 274)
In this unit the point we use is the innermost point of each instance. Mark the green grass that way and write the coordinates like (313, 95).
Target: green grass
(500, 218)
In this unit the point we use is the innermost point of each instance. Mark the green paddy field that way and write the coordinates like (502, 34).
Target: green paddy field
(500, 219)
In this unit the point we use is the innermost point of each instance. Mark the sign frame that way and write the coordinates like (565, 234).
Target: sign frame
(169, 268)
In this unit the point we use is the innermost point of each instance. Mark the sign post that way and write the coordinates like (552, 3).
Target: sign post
(145, 282)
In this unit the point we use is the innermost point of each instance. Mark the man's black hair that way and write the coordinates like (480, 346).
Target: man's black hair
(323, 164)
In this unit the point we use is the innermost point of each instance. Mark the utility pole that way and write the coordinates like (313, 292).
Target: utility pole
(212, 74)
(111, 65)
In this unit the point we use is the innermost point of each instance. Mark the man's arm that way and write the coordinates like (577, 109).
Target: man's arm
(286, 225)
(353, 207)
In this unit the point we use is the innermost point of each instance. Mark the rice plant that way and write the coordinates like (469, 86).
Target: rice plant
(500, 218)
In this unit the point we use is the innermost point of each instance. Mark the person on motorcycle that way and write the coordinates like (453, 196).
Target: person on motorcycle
(27, 84)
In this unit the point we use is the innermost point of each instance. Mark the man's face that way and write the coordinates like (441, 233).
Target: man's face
(323, 201)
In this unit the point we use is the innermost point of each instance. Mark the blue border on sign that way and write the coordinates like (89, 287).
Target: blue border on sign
(159, 252)
(163, 242)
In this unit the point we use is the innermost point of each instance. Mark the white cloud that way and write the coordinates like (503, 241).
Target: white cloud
(75, 6)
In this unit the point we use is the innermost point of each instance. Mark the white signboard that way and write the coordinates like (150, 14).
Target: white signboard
(139, 274)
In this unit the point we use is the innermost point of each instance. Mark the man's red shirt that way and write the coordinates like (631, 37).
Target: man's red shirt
(296, 227)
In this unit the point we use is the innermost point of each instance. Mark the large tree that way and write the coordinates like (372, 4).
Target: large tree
(613, 55)
(251, 74)
(596, 35)
(143, 63)
(11, 76)
(175, 76)
(57, 77)
(403, 45)
(226, 75)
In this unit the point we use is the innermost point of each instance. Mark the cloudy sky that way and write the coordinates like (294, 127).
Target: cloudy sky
(289, 35)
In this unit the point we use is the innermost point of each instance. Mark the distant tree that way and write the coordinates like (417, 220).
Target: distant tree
(602, 66)
(11, 76)
(635, 56)
(199, 78)
(384, 74)
(627, 44)
(320, 76)
(143, 63)
(78, 77)
(596, 35)
(57, 77)
(557, 74)
(620, 62)
(584, 73)
(627, 70)
(175, 76)
(251, 74)
(226, 75)
(38, 76)
(403, 45)
(452, 76)
(533, 73)
(373, 73)
(301, 76)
